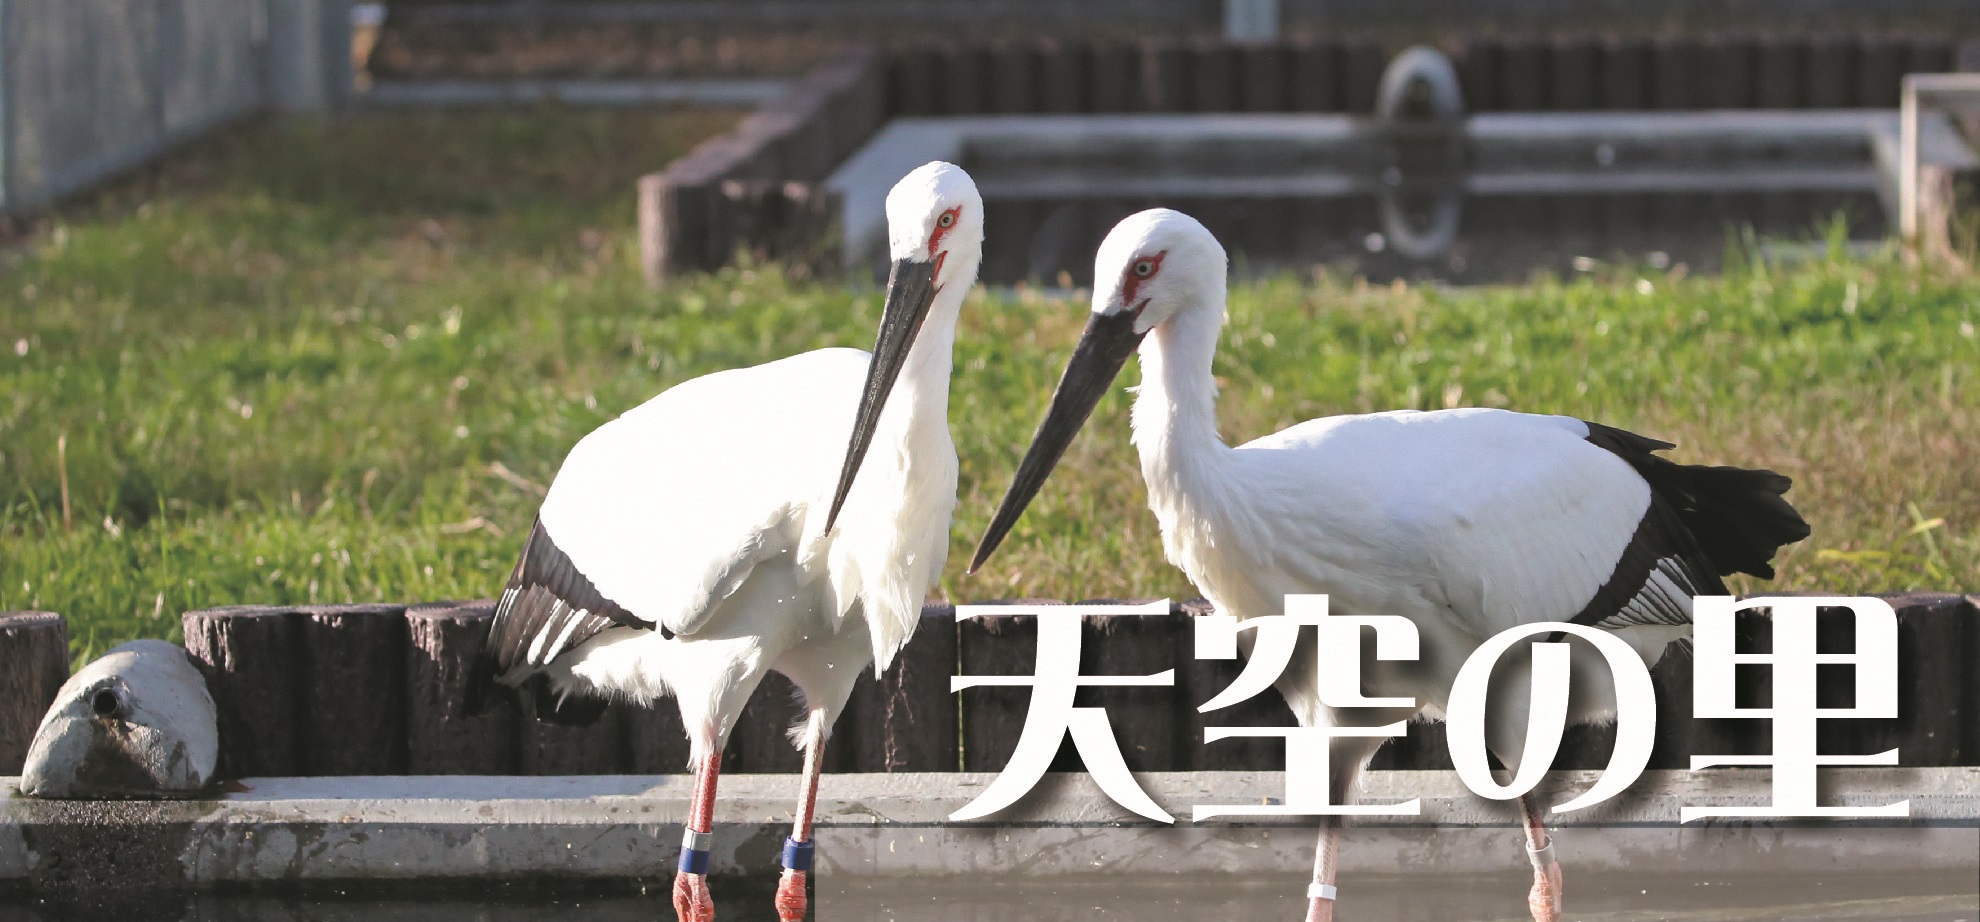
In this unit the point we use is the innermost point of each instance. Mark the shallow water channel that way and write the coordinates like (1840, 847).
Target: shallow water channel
(1842, 897)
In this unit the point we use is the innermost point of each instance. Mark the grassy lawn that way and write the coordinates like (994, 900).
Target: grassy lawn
(336, 361)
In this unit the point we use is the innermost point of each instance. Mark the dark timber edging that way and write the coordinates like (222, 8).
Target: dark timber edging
(377, 690)
(34, 662)
(757, 190)
(296, 830)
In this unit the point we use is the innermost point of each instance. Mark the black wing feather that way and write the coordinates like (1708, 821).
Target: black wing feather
(548, 609)
(1702, 523)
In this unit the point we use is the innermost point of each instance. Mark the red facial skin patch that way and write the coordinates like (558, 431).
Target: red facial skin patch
(935, 239)
(1131, 283)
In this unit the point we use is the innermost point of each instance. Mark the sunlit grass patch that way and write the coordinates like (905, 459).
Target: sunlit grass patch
(337, 361)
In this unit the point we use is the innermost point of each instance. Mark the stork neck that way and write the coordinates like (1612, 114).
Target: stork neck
(921, 393)
(1175, 412)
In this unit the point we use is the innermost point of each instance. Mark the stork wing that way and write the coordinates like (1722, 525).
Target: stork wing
(659, 515)
(1508, 518)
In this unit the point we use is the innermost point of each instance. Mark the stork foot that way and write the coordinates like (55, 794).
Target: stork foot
(1545, 897)
(692, 903)
(790, 896)
(1319, 911)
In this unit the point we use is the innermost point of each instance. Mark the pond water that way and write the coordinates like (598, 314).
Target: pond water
(1491, 238)
(1949, 897)
(1497, 199)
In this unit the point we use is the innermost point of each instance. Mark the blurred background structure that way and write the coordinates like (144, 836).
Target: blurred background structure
(94, 87)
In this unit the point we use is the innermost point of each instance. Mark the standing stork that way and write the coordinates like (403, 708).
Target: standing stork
(1467, 522)
(690, 545)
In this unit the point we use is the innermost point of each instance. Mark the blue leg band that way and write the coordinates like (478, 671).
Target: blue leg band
(694, 861)
(797, 855)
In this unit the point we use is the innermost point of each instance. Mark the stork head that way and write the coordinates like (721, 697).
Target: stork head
(1153, 265)
(935, 236)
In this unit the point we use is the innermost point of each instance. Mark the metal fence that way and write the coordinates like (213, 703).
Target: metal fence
(91, 88)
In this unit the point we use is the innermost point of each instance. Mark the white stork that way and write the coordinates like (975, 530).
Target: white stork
(1467, 522)
(690, 545)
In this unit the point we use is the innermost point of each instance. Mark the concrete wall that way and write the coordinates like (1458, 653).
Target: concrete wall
(90, 88)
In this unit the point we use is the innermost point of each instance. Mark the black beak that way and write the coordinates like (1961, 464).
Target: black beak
(1101, 352)
(910, 290)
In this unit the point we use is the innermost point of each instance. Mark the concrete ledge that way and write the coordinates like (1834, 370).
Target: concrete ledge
(467, 827)
(738, 93)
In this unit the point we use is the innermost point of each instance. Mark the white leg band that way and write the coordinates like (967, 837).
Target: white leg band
(1321, 891)
(1541, 857)
(697, 841)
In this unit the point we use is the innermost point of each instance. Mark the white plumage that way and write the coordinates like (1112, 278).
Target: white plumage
(689, 545)
(1467, 522)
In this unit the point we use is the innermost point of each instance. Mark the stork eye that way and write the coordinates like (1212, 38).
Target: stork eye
(1144, 268)
(947, 220)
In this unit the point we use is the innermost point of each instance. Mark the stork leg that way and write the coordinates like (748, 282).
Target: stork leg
(1320, 893)
(1347, 756)
(692, 903)
(1545, 898)
(791, 902)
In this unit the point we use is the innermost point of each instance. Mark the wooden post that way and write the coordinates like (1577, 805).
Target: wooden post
(34, 662)
(993, 717)
(1523, 75)
(250, 656)
(1362, 64)
(1425, 747)
(1213, 78)
(1931, 56)
(1730, 76)
(354, 689)
(1147, 721)
(1262, 79)
(907, 720)
(1014, 80)
(1116, 78)
(1316, 78)
(1063, 83)
(965, 83)
(1672, 62)
(1572, 75)
(1625, 75)
(761, 740)
(1671, 678)
(1478, 67)
(1829, 81)
(1938, 644)
(1781, 73)
(1879, 73)
(913, 82)
(554, 749)
(1203, 679)
(441, 738)
(656, 739)
(1165, 78)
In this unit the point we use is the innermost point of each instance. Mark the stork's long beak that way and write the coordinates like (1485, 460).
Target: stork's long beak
(1098, 358)
(910, 290)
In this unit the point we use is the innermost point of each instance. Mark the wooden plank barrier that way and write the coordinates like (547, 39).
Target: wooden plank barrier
(251, 658)
(312, 690)
(353, 675)
(441, 737)
(755, 191)
(692, 219)
(34, 662)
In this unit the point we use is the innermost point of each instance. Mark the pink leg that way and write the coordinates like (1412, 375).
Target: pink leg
(1545, 898)
(691, 900)
(791, 903)
(1320, 893)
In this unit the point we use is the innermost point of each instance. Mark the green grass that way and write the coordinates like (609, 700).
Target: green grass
(330, 361)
